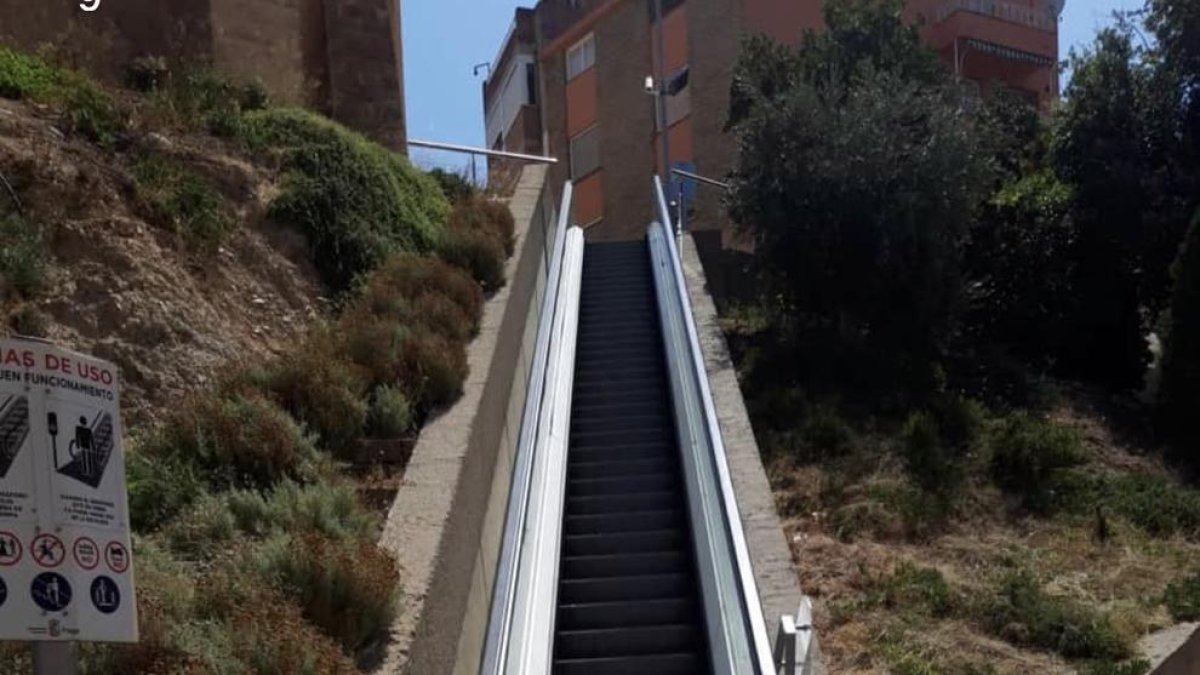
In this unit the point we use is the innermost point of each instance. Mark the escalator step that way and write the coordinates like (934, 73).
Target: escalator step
(612, 589)
(655, 664)
(633, 521)
(626, 641)
(646, 501)
(635, 613)
(624, 565)
(623, 542)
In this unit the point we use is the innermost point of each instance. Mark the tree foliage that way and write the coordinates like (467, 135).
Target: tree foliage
(857, 182)
(1180, 393)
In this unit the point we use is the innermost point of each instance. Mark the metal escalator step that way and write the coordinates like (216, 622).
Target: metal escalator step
(616, 468)
(626, 641)
(617, 452)
(655, 664)
(624, 542)
(628, 613)
(646, 501)
(632, 521)
(613, 589)
(623, 485)
(624, 565)
(618, 435)
(631, 423)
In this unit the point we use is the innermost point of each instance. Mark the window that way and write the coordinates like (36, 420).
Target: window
(585, 153)
(581, 57)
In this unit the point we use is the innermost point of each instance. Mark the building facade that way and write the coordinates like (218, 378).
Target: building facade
(339, 57)
(594, 114)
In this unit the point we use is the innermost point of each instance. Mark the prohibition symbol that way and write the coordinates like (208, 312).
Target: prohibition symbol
(86, 552)
(48, 550)
(10, 549)
(116, 556)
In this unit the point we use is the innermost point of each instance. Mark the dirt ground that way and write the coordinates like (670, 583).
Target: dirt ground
(127, 290)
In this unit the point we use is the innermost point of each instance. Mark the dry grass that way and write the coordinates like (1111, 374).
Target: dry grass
(1106, 564)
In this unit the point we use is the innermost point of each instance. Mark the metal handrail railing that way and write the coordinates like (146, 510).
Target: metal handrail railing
(738, 638)
(533, 521)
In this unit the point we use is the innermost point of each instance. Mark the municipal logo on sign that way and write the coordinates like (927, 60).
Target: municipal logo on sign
(48, 550)
(116, 556)
(51, 591)
(10, 549)
(87, 553)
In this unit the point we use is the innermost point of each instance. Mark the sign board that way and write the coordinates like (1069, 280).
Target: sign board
(65, 565)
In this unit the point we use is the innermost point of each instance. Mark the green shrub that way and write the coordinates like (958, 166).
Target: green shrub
(487, 216)
(160, 485)
(1022, 613)
(324, 393)
(22, 257)
(443, 316)
(373, 344)
(1183, 598)
(433, 368)
(356, 202)
(184, 200)
(960, 420)
(479, 253)
(28, 320)
(1134, 667)
(1028, 456)
(410, 276)
(454, 186)
(204, 531)
(147, 74)
(391, 413)
(258, 624)
(930, 462)
(328, 509)
(347, 589)
(912, 589)
(196, 97)
(87, 109)
(241, 441)
(825, 433)
(1155, 504)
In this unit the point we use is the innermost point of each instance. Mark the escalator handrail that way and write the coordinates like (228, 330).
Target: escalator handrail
(504, 596)
(749, 608)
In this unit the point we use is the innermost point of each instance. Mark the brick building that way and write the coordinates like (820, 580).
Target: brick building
(340, 57)
(591, 109)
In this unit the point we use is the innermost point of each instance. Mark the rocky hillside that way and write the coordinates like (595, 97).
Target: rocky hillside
(119, 280)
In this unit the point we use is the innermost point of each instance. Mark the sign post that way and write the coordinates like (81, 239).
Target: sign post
(66, 571)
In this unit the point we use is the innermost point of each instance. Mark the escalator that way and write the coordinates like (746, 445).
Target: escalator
(628, 597)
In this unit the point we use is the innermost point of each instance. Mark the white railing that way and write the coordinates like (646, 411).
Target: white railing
(520, 635)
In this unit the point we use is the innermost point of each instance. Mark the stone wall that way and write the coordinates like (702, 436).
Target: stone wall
(366, 85)
(340, 57)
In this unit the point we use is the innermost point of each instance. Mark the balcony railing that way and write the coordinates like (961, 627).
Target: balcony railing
(1039, 18)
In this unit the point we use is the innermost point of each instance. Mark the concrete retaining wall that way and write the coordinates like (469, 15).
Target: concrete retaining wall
(444, 527)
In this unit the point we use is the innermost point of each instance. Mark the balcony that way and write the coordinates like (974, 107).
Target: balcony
(1022, 15)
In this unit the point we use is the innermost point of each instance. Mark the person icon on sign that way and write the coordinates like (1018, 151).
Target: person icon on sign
(83, 444)
(4, 551)
(53, 593)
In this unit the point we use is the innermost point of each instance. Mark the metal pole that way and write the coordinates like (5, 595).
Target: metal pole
(54, 658)
(660, 77)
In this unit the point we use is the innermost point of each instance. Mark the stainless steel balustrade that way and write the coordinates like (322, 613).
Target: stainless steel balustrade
(520, 635)
(737, 632)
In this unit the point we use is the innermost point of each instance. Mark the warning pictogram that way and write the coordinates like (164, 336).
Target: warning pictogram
(117, 557)
(105, 595)
(48, 550)
(51, 592)
(10, 549)
(86, 552)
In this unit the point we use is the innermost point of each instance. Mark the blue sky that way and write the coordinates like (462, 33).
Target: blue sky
(445, 39)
